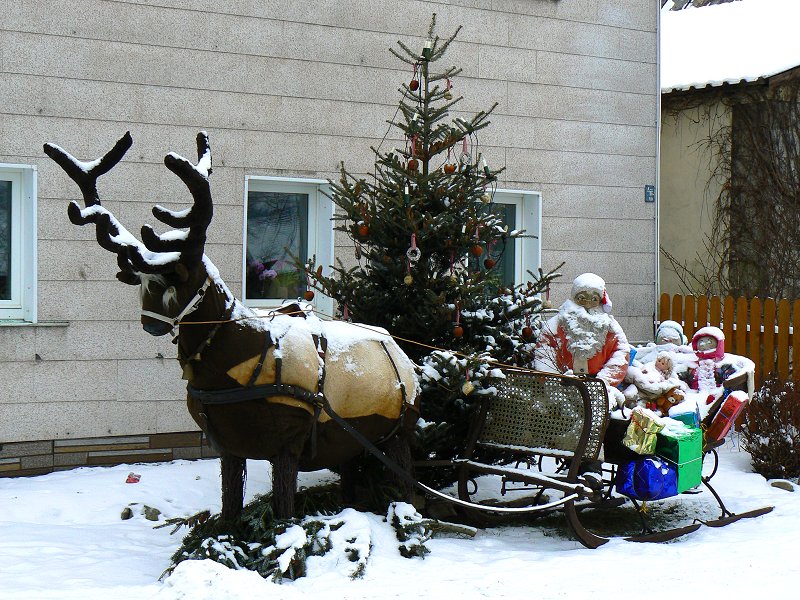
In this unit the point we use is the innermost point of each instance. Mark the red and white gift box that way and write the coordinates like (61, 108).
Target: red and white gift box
(726, 416)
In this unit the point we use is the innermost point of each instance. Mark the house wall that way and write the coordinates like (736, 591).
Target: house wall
(688, 188)
(291, 89)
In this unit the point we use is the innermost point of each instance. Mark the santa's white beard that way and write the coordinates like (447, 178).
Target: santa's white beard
(586, 330)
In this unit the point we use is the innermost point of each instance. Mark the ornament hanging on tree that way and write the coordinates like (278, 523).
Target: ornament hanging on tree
(458, 330)
(527, 331)
(547, 303)
(448, 95)
(468, 386)
(413, 253)
(489, 263)
(308, 295)
(414, 85)
(408, 279)
(476, 250)
(466, 156)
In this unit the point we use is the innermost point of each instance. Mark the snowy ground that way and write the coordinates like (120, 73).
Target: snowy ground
(61, 536)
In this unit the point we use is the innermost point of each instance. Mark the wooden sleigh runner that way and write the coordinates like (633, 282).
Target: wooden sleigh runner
(548, 428)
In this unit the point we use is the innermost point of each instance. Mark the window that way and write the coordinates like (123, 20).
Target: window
(17, 243)
(514, 258)
(286, 220)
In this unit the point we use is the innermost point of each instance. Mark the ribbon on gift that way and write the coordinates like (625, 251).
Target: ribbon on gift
(641, 433)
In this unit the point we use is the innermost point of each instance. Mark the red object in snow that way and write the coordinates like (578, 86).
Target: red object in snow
(726, 416)
(133, 478)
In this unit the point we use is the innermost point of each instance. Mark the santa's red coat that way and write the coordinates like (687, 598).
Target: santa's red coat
(609, 364)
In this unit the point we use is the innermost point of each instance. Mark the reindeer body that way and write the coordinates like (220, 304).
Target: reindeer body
(360, 382)
(224, 347)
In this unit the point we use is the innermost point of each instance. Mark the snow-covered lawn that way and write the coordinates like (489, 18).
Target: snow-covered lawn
(61, 536)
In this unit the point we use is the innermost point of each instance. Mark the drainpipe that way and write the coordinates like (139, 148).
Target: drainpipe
(656, 221)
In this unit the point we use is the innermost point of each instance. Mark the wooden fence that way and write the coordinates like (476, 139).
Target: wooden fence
(762, 330)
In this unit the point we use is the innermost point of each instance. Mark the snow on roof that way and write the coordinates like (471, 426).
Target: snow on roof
(728, 43)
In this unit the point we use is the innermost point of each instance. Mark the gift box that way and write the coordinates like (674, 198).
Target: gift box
(691, 419)
(647, 478)
(726, 416)
(683, 449)
(641, 433)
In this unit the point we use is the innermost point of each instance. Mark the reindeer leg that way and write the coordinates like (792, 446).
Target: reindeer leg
(398, 450)
(234, 472)
(348, 477)
(284, 484)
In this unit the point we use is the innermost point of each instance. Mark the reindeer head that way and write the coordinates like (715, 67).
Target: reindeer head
(169, 267)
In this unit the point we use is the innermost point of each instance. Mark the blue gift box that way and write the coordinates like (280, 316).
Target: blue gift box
(647, 479)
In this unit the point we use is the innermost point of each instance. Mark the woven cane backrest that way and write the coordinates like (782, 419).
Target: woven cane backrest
(536, 412)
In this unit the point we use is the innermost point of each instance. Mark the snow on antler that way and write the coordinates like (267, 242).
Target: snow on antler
(155, 253)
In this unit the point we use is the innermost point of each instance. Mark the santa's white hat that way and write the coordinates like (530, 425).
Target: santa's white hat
(589, 282)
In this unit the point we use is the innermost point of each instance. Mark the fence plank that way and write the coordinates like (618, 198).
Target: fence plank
(740, 345)
(702, 311)
(688, 316)
(768, 341)
(663, 310)
(727, 320)
(755, 338)
(783, 339)
(796, 341)
(715, 311)
(677, 308)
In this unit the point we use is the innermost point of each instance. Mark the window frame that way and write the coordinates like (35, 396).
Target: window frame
(320, 238)
(21, 307)
(528, 216)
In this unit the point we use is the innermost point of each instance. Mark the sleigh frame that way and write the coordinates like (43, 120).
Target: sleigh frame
(538, 420)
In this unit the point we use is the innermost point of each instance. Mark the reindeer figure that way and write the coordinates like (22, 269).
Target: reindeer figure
(255, 385)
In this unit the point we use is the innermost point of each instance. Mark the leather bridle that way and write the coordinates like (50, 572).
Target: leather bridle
(191, 306)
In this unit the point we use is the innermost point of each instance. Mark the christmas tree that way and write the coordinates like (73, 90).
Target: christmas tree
(427, 237)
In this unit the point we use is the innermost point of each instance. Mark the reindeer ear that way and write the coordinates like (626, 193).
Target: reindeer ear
(129, 278)
(182, 272)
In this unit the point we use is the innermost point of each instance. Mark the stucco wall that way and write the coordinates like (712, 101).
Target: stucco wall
(688, 188)
(291, 89)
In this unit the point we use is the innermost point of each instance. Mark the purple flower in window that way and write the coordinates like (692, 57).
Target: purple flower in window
(267, 274)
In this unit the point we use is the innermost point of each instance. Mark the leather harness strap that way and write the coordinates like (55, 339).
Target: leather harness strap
(316, 399)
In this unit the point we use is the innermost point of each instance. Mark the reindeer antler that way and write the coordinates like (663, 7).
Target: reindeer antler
(110, 233)
(157, 253)
(189, 244)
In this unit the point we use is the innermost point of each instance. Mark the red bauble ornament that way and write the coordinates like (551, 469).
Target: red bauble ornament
(489, 264)
(458, 331)
(413, 164)
(527, 333)
(308, 295)
(363, 230)
(476, 250)
(414, 85)
(449, 168)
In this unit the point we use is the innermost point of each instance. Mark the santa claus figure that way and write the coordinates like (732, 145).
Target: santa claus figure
(584, 339)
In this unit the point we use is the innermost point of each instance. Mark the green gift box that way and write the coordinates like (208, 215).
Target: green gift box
(684, 449)
(690, 419)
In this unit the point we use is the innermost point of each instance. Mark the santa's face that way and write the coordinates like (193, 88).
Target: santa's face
(587, 300)
(706, 343)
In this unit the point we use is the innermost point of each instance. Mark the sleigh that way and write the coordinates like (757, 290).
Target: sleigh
(531, 442)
